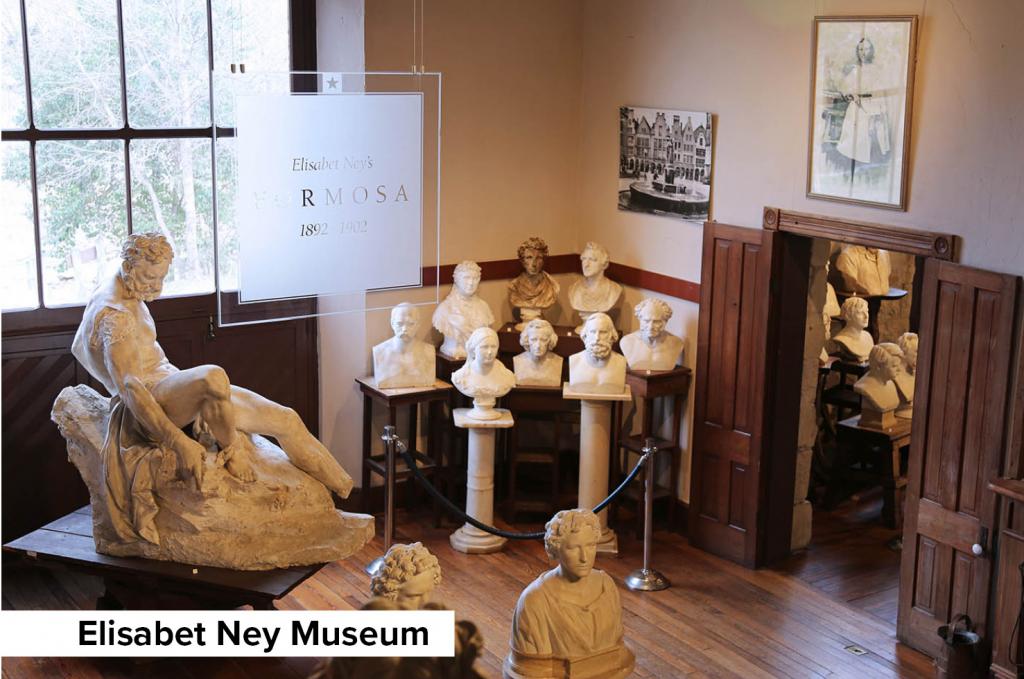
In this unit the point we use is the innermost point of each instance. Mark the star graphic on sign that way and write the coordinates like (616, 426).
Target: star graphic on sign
(332, 83)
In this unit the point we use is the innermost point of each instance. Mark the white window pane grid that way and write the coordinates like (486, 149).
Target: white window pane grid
(18, 283)
(14, 114)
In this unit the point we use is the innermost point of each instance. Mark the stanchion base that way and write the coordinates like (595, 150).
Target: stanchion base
(471, 540)
(372, 567)
(647, 580)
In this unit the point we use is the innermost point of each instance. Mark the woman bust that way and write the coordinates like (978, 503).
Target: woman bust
(568, 622)
(482, 377)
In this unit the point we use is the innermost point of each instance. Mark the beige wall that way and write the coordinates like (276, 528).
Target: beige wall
(749, 63)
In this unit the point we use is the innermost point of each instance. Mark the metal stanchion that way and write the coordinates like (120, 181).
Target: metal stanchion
(392, 446)
(647, 579)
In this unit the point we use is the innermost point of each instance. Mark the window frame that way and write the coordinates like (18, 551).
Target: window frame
(302, 50)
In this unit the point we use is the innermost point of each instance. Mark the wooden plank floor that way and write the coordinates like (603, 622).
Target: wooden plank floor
(717, 620)
(849, 558)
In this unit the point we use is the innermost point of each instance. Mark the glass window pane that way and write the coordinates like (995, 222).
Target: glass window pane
(252, 33)
(12, 71)
(167, 63)
(18, 256)
(227, 235)
(75, 63)
(171, 194)
(82, 216)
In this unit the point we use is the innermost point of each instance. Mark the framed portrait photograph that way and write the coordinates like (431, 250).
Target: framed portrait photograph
(665, 162)
(862, 87)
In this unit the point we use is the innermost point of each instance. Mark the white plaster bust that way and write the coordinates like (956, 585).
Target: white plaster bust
(534, 290)
(828, 312)
(651, 347)
(906, 377)
(597, 368)
(570, 615)
(539, 365)
(878, 391)
(404, 361)
(865, 271)
(407, 576)
(462, 311)
(483, 378)
(593, 292)
(853, 341)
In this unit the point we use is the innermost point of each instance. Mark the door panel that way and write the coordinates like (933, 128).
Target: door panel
(726, 479)
(960, 411)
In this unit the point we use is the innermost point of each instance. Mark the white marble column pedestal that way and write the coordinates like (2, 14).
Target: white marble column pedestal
(595, 455)
(479, 482)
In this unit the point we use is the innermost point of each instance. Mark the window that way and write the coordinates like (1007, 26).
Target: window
(107, 131)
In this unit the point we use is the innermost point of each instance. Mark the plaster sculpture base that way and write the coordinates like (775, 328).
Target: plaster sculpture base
(877, 419)
(479, 482)
(285, 518)
(595, 454)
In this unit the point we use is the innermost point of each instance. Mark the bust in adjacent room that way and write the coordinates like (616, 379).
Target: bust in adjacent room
(865, 271)
(593, 292)
(598, 369)
(906, 377)
(483, 378)
(568, 622)
(652, 347)
(404, 360)
(539, 365)
(534, 290)
(853, 342)
(877, 390)
(462, 311)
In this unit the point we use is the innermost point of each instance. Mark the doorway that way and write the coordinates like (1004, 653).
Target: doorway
(751, 341)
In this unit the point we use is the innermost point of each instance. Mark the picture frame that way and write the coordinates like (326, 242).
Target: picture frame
(862, 91)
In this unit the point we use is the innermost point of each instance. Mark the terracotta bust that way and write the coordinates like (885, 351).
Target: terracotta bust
(403, 360)
(906, 377)
(534, 290)
(408, 576)
(651, 347)
(853, 341)
(462, 311)
(538, 365)
(877, 390)
(568, 622)
(593, 292)
(483, 378)
(865, 271)
(597, 368)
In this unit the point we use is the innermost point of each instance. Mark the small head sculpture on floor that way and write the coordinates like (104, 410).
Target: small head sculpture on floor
(568, 622)
(408, 576)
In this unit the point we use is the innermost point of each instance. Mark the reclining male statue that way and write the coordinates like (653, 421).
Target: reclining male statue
(155, 491)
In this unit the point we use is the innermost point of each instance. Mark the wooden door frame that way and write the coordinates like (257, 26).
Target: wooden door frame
(789, 297)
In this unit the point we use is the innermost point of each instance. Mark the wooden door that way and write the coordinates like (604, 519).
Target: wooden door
(726, 486)
(958, 439)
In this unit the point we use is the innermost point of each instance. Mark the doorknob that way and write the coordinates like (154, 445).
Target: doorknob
(978, 548)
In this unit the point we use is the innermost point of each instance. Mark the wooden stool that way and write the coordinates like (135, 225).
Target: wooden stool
(543, 405)
(146, 584)
(855, 438)
(648, 386)
(393, 399)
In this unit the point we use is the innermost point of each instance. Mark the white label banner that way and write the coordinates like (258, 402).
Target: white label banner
(330, 193)
(56, 634)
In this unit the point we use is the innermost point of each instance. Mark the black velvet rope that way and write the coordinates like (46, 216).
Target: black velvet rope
(537, 535)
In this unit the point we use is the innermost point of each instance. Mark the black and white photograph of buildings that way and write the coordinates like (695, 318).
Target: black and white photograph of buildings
(665, 162)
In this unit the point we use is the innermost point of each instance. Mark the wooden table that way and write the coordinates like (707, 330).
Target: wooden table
(434, 397)
(145, 584)
(648, 386)
(543, 405)
(855, 439)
